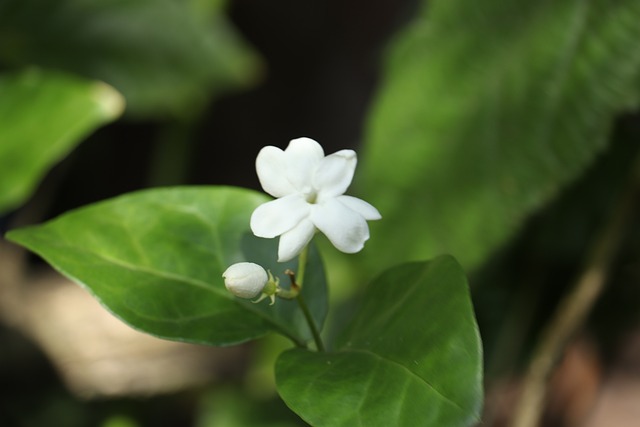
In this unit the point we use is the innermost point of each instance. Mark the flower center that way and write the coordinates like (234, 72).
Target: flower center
(310, 195)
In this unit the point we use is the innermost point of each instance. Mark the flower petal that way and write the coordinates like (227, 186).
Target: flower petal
(344, 227)
(278, 216)
(293, 241)
(334, 174)
(360, 206)
(303, 155)
(271, 166)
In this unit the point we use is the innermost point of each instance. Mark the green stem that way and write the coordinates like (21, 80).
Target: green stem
(576, 306)
(312, 324)
(302, 265)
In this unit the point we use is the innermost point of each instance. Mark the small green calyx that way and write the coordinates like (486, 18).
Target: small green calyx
(270, 289)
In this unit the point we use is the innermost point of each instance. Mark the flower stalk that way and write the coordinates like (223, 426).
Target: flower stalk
(312, 325)
(302, 265)
(296, 286)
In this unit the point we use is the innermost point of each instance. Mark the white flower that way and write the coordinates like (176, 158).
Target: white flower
(245, 279)
(309, 190)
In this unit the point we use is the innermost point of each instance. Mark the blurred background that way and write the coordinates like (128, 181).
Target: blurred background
(506, 134)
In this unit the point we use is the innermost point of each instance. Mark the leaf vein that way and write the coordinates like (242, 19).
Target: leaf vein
(423, 380)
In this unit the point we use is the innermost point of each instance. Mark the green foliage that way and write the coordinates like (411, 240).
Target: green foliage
(155, 259)
(165, 56)
(235, 408)
(43, 116)
(411, 356)
(487, 110)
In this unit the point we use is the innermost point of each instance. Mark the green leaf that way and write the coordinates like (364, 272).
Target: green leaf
(155, 259)
(486, 112)
(411, 356)
(43, 116)
(165, 56)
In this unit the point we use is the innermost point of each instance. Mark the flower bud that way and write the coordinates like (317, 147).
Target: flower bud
(245, 279)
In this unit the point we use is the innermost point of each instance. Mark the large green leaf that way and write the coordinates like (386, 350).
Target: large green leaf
(155, 259)
(43, 115)
(165, 56)
(411, 356)
(487, 110)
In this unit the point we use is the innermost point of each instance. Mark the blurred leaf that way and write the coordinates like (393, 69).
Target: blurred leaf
(165, 56)
(487, 110)
(120, 421)
(411, 356)
(236, 408)
(43, 115)
(155, 259)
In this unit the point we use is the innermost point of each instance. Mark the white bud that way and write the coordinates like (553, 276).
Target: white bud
(245, 279)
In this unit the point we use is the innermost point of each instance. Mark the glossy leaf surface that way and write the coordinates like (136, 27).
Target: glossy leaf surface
(155, 259)
(411, 356)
